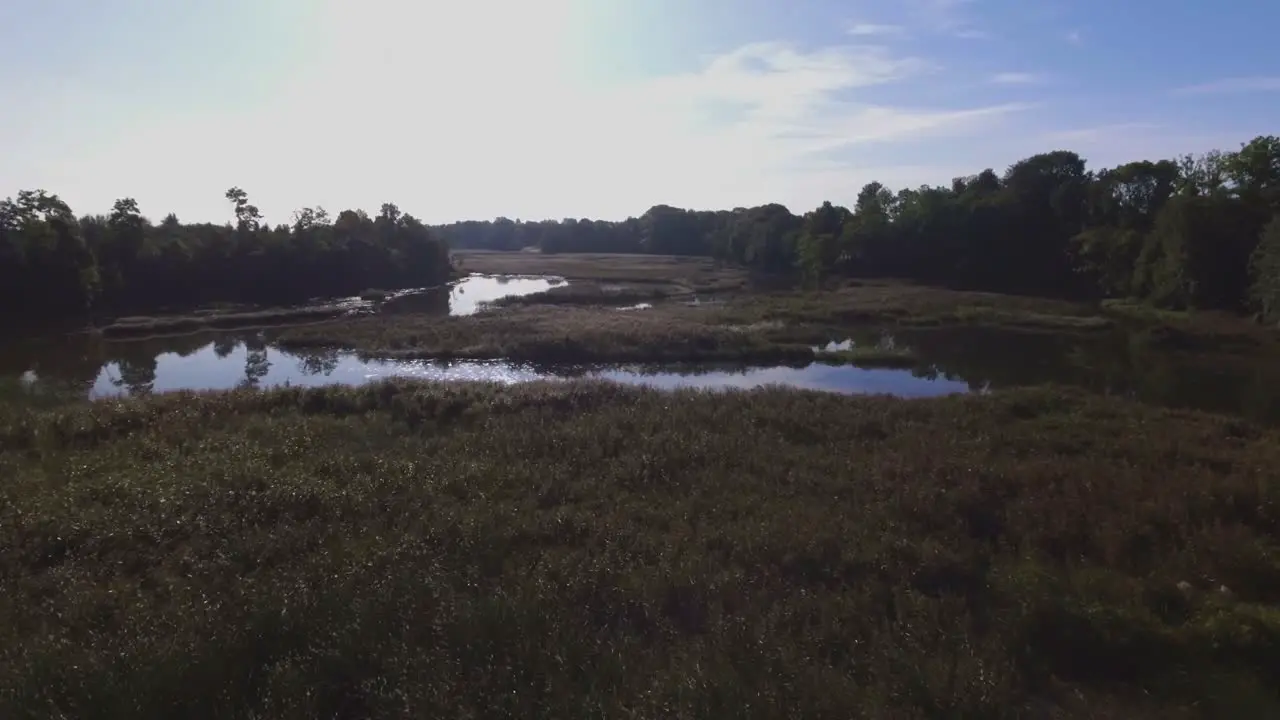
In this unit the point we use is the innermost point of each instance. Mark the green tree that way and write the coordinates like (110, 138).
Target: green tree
(248, 218)
(1254, 171)
(1264, 269)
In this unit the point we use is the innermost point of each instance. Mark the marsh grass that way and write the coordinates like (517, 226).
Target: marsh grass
(1029, 319)
(16, 392)
(689, 271)
(1182, 330)
(136, 327)
(587, 550)
(887, 302)
(577, 323)
(550, 333)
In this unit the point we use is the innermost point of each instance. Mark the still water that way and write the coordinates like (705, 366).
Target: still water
(230, 362)
(950, 360)
(466, 296)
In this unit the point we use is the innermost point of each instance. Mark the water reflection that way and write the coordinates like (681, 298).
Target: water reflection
(949, 360)
(878, 341)
(816, 376)
(1127, 364)
(466, 296)
(139, 368)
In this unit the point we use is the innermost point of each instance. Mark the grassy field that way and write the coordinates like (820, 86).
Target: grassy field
(663, 269)
(143, 326)
(583, 549)
(590, 550)
(552, 333)
(736, 317)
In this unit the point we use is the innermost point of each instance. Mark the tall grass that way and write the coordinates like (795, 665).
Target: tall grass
(551, 333)
(137, 327)
(590, 550)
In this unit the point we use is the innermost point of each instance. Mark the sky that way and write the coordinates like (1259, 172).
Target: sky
(532, 109)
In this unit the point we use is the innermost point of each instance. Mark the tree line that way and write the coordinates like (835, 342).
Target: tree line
(1190, 232)
(54, 265)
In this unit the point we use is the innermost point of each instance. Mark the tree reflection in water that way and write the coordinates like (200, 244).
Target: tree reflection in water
(1133, 364)
(318, 362)
(256, 362)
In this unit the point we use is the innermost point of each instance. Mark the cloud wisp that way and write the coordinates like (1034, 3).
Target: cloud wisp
(1016, 78)
(1235, 85)
(875, 30)
(947, 17)
(788, 102)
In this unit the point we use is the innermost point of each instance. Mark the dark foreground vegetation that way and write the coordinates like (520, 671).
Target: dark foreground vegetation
(1179, 233)
(588, 550)
(54, 266)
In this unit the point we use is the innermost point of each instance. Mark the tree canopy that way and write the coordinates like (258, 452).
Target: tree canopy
(1182, 232)
(53, 265)
(1178, 232)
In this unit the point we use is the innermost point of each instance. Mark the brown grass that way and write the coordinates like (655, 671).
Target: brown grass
(591, 550)
(141, 327)
(690, 271)
(888, 303)
(580, 323)
(549, 334)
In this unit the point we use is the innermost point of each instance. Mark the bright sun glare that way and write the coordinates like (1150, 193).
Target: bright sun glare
(480, 98)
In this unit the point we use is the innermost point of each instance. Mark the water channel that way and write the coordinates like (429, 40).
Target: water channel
(948, 360)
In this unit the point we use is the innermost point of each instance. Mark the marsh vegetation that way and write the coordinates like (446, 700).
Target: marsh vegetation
(577, 549)
(1105, 544)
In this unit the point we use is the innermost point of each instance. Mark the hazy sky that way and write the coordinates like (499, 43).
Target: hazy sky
(602, 108)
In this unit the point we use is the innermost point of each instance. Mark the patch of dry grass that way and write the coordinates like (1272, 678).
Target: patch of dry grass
(888, 303)
(549, 333)
(695, 271)
(587, 549)
(142, 327)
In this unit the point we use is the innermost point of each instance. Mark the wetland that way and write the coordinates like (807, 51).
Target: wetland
(511, 496)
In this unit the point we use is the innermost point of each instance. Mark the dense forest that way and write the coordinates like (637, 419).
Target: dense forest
(1190, 232)
(53, 265)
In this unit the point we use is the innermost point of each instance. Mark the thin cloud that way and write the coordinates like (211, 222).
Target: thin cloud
(1074, 37)
(948, 17)
(789, 106)
(1098, 133)
(765, 122)
(874, 30)
(1015, 78)
(1232, 85)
